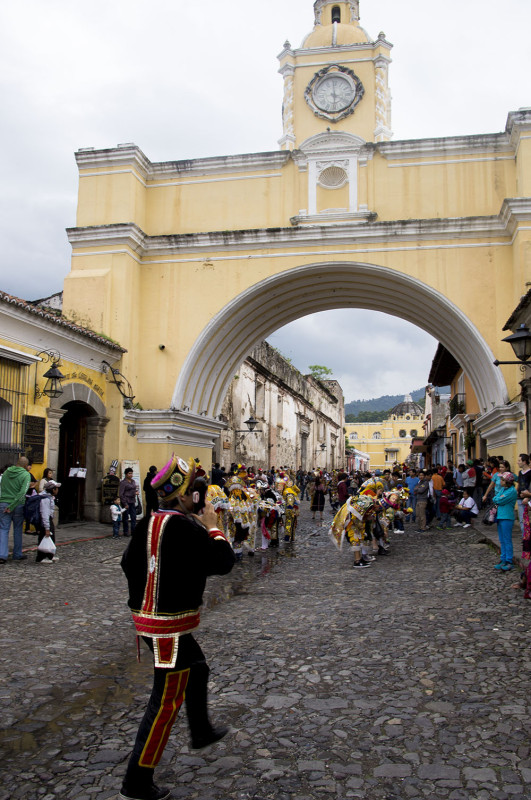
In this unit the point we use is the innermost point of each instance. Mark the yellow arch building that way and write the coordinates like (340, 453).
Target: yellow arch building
(188, 264)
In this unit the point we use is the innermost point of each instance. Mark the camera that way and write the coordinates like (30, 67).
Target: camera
(199, 490)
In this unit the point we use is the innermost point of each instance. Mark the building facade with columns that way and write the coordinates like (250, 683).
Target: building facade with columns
(300, 419)
(388, 442)
(61, 425)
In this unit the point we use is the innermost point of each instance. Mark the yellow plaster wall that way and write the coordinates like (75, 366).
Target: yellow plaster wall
(332, 198)
(111, 194)
(394, 190)
(422, 189)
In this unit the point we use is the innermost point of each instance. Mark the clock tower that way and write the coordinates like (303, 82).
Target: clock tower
(337, 80)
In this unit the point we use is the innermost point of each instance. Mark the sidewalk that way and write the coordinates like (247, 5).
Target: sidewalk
(68, 533)
(490, 534)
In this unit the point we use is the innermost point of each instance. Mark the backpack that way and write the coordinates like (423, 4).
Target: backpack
(32, 511)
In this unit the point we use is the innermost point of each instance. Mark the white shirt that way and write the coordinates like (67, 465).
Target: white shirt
(469, 503)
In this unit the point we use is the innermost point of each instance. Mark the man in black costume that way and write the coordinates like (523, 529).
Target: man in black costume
(167, 563)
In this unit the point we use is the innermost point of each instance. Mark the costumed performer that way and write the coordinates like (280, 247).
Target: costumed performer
(166, 564)
(349, 523)
(239, 514)
(290, 496)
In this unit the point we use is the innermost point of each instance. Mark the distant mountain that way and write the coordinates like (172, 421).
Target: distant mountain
(384, 403)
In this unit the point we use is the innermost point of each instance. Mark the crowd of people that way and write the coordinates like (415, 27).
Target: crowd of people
(29, 505)
(258, 508)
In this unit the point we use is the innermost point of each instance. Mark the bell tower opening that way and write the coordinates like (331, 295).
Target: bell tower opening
(336, 14)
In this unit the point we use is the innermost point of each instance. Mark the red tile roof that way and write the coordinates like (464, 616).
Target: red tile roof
(57, 319)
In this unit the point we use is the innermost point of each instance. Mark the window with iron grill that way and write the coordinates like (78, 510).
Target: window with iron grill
(14, 381)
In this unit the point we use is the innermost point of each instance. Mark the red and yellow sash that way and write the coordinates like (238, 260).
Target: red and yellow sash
(164, 628)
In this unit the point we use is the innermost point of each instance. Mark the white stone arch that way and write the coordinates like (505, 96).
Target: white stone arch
(96, 423)
(82, 393)
(268, 305)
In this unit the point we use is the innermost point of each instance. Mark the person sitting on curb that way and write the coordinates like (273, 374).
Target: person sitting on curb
(467, 509)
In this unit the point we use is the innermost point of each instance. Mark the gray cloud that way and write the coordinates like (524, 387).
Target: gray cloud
(370, 353)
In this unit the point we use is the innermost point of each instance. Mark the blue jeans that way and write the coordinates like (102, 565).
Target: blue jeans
(130, 511)
(116, 527)
(17, 518)
(437, 500)
(505, 534)
(446, 520)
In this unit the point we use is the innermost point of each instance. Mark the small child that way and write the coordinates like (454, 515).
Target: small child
(446, 505)
(116, 515)
(47, 509)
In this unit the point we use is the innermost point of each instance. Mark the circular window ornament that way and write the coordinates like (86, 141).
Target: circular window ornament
(334, 92)
(333, 177)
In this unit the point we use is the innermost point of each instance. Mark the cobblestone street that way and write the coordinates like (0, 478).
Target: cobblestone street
(406, 680)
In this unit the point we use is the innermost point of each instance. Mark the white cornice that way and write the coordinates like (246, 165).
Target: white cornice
(167, 426)
(341, 232)
(17, 355)
(339, 48)
(287, 70)
(331, 141)
(131, 155)
(498, 143)
(514, 211)
(122, 235)
(333, 217)
(89, 158)
(518, 122)
(499, 426)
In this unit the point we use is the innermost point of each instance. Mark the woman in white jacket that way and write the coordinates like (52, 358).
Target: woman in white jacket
(47, 528)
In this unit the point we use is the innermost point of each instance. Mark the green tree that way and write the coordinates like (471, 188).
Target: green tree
(367, 416)
(319, 372)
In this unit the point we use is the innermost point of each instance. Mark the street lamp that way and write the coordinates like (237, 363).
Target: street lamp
(52, 387)
(521, 344)
(251, 426)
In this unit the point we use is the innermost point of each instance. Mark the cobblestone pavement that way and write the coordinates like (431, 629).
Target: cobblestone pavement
(406, 680)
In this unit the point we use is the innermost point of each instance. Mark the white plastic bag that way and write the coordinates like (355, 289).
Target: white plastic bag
(47, 545)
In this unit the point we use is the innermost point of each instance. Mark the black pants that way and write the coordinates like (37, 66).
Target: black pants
(190, 674)
(40, 555)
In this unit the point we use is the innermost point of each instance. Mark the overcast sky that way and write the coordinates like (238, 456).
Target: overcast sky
(185, 79)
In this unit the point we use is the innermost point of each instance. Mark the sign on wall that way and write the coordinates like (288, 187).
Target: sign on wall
(34, 437)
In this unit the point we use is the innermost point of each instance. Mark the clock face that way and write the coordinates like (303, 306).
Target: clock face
(334, 93)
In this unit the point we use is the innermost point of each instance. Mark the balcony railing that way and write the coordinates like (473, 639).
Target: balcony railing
(457, 405)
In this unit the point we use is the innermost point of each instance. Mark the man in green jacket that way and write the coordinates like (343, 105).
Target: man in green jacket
(15, 484)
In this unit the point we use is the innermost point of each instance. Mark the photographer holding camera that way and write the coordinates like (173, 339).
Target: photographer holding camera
(167, 562)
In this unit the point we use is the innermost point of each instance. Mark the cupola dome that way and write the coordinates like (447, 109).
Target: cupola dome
(336, 24)
(407, 407)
